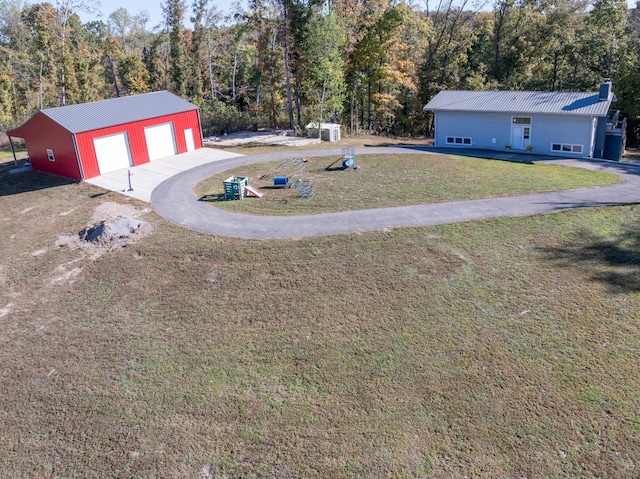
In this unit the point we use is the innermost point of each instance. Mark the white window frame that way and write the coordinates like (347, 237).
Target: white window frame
(464, 140)
(50, 155)
(567, 148)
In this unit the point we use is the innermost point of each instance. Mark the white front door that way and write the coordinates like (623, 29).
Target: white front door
(160, 141)
(520, 136)
(112, 152)
(188, 138)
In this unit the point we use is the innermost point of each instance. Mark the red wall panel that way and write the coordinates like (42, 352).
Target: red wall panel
(41, 133)
(137, 141)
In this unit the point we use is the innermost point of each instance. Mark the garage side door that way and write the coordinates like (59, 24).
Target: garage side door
(112, 152)
(160, 141)
(188, 138)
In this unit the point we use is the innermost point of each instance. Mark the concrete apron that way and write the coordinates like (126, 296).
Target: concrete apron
(145, 178)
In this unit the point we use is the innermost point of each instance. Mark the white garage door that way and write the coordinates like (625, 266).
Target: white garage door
(160, 141)
(112, 152)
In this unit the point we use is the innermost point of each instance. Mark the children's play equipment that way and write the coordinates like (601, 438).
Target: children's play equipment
(307, 189)
(281, 181)
(237, 187)
(253, 191)
(289, 172)
(234, 187)
(348, 157)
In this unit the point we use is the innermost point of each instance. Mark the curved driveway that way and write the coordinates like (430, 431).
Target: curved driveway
(175, 200)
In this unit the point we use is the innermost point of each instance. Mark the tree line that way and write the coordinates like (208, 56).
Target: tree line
(370, 65)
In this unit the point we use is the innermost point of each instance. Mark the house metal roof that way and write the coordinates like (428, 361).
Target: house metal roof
(553, 103)
(117, 111)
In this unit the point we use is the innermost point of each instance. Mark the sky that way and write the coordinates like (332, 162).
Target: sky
(152, 7)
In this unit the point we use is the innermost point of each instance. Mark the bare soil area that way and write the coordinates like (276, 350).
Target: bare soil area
(112, 226)
(261, 137)
(248, 142)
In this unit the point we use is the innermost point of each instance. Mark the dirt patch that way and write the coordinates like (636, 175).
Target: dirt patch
(262, 137)
(6, 310)
(65, 276)
(112, 226)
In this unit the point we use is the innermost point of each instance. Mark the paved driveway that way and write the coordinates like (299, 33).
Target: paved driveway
(175, 200)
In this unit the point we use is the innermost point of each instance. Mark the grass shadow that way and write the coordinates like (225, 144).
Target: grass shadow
(391, 144)
(213, 198)
(613, 260)
(16, 183)
(335, 166)
(509, 156)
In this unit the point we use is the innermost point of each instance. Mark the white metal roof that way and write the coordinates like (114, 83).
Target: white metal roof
(116, 111)
(555, 103)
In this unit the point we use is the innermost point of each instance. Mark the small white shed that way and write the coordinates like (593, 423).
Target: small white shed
(329, 131)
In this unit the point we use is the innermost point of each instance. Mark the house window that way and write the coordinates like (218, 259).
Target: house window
(519, 120)
(50, 155)
(458, 140)
(566, 147)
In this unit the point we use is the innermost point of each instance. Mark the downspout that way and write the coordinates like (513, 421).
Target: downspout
(75, 146)
(433, 115)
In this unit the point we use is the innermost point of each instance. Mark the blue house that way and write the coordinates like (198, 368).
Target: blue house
(572, 124)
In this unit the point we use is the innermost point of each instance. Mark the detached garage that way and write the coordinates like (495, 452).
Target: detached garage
(87, 140)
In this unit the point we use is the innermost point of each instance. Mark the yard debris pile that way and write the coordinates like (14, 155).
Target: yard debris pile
(112, 226)
(113, 234)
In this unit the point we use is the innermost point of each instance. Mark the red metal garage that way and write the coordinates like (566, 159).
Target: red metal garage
(86, 140)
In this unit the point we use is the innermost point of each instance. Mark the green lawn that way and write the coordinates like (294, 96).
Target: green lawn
(7, 161)
(6, 153)
(491, 349)
(395, 180)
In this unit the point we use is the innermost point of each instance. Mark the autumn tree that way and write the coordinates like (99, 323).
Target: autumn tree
(557, 61)
(196, 63)
(86, 84)
(604, 37)
(17, 71)
(453, 29)
(40, 19)
(264, 17)
(516, 40)
(66, 24)
(173, 11)
(379, 68)
(129, 29)
(322, 66)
